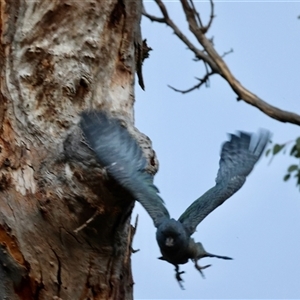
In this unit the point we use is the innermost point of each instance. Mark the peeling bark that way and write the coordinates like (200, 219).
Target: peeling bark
(57, 59)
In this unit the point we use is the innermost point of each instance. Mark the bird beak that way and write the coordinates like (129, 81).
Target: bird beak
(169, 242)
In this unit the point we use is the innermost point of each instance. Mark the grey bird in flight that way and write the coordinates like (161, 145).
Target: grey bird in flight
(120, 154)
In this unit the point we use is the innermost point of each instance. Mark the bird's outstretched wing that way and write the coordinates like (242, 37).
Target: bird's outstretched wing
(238, 157)
(120, 154)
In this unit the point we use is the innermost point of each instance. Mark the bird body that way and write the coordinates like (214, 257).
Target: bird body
(120, 154)
(173, 241)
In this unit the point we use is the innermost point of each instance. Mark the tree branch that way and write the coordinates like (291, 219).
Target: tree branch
(227, 52)
(202, 81)
(239, 89)
(216, 63)
(204, 28)
(198, 53)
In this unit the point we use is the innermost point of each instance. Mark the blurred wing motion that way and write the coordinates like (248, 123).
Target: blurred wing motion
(238, 157)
(120, 154)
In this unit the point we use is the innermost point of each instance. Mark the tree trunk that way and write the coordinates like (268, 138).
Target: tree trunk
(65, 228)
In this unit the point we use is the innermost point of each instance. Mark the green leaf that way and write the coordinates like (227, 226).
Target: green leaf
(292, 168)
(298, 143)
(298, 181)
(286, 177)
(293, 150)
(268, 152)
(277, 148)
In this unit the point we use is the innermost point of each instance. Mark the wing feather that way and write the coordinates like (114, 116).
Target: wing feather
(120, 154)
(238, 157)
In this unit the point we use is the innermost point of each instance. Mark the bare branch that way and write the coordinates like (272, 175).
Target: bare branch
(216, 63)
(198, 53)
(153, 18)
(197, 14)
(163, 8)
(239, 89)
(206, 68)
(227, 52)
(202, 81)
(212, 15)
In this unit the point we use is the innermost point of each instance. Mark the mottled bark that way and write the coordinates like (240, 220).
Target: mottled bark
(65, 228)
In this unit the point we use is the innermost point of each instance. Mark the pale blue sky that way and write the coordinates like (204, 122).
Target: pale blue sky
(260, 225)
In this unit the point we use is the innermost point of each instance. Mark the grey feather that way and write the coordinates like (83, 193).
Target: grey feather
(120, 154)
(238, 157)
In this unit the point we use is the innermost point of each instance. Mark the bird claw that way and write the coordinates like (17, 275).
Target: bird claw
(200, 268)
(178, 277)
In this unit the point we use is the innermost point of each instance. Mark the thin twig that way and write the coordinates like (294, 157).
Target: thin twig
(153, 18)
(227, 52)
(197, 14)
(212, 15)
(163, 8)
(198, 53)
(197, 86)
(207, 72)
(134, 228)
(87, 222)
